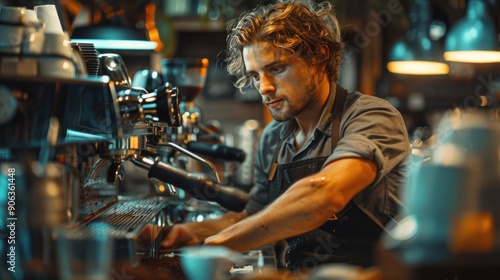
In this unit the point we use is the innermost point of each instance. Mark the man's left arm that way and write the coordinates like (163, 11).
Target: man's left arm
(307, 204)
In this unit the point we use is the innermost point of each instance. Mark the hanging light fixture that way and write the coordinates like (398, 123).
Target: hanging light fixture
(417, 53)
(110, 32)
(113, 37)
(473, 38)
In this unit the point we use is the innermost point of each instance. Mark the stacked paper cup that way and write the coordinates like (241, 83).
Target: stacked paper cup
(11, 38)
(57, 61)
(33, 35)
(11, 29)
(48, 15)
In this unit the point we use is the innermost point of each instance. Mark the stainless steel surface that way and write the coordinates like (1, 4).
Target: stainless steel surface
(97, 192)
(129, 101)
(191, 119)
(86, 109)
(122, 148)
(112, 65)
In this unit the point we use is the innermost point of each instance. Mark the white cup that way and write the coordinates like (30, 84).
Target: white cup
(57, 44)
(33, 40)
(12, 14)
(206, 262)
(55, 67)
(48, 15)
(30, 17)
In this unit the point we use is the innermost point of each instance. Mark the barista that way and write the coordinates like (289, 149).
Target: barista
(330, 162)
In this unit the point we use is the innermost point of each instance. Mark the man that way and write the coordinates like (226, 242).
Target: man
(331, 163)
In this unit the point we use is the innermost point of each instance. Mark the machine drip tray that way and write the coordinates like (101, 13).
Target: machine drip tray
(128, 217)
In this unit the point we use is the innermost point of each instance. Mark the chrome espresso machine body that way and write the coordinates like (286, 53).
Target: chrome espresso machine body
(62, 153)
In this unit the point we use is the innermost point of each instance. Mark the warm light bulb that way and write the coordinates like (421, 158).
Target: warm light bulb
(473, 56)
(418, 67)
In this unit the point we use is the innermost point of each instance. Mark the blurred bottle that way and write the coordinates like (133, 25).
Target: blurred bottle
(246, 138)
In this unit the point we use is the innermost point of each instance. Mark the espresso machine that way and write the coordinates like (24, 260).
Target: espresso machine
(62, 155)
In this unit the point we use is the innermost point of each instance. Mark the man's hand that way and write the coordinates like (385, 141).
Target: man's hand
(175, 236)
(180, 235)
(190, 233)
(146, 237)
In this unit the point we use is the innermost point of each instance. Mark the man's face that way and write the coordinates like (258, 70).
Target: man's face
(287, 83)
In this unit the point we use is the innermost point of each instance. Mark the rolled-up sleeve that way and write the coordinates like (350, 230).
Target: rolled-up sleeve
(373, 129)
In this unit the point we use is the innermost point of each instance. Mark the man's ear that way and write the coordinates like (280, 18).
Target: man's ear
(321, 57)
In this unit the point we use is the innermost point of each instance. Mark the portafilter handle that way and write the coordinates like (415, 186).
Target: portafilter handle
(200, 186)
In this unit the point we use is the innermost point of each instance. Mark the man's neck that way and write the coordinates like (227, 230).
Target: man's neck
(309, 118)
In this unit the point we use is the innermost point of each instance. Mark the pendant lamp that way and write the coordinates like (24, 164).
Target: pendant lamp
(473, 38)
(113, 37)
(112, 30)
(417, 53)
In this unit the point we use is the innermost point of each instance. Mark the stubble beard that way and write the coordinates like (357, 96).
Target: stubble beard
(288, 110)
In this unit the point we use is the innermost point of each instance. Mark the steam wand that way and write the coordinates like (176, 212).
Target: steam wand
(209, 164)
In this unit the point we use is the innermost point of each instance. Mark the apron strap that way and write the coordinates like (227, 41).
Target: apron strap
(337, 116)
(274, 165)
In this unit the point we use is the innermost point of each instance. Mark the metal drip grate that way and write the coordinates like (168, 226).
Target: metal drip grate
(127, 218)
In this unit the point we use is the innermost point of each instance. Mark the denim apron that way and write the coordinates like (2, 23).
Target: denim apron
(348, 237)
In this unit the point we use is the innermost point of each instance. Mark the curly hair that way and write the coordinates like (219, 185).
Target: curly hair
(300, 26)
